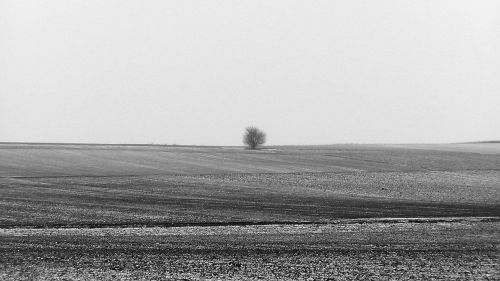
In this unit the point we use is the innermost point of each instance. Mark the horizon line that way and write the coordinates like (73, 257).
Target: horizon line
(215, 146)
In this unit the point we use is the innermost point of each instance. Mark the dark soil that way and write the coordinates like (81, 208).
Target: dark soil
(456, 250)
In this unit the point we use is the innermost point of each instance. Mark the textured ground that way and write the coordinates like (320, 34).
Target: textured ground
(108, 160)
(79, 211)
(163, 200)
(52, 185)
(453, 249)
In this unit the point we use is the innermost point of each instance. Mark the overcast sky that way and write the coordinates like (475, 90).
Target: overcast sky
(198, 72)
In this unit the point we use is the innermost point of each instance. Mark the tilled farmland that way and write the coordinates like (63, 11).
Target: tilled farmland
(70, 212)
(456, 249)
(245, 198)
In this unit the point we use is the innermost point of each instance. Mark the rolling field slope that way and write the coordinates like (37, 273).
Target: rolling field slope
(105, 185)
(342, 212)
(25, 160)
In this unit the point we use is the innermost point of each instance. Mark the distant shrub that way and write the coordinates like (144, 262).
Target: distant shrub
(254, 137)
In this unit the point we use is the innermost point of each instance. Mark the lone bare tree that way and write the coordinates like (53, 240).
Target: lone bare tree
(254, 137)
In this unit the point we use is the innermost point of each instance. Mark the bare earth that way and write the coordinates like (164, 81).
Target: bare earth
(343, 212)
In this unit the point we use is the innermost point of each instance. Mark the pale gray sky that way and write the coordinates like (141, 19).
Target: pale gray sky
(198, 72)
